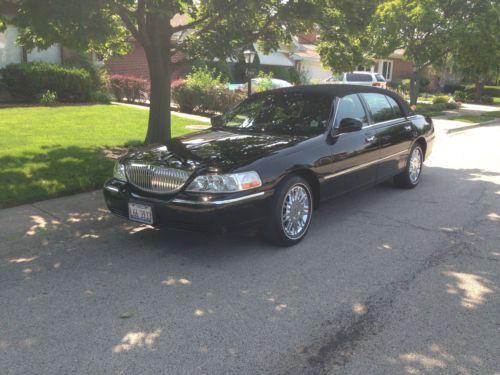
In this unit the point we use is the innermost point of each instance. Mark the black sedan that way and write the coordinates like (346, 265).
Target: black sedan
(272, 160)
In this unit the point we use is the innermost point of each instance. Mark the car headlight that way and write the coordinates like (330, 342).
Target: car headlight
(119, 172)
(225, 183)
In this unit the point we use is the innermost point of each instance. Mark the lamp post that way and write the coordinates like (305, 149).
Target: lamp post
(249, 57)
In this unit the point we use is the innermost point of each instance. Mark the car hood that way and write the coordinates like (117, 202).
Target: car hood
(218, 150)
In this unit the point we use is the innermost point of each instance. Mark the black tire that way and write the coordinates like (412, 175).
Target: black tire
(407, 178)
(274, 230)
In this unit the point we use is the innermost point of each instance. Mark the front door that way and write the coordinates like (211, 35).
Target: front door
(353, 155)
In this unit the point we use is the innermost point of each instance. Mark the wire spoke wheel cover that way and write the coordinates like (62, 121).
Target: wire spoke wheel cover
(415, 166)
(296, 211)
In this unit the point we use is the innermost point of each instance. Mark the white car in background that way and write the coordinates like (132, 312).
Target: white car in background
(359, 78)
(275, 84)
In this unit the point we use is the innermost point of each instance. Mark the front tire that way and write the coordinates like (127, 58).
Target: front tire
(291, 212)
(410, 177)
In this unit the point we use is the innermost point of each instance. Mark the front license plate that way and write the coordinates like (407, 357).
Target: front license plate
(140, 213)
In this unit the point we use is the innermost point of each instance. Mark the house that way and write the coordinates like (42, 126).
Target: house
(393, 68)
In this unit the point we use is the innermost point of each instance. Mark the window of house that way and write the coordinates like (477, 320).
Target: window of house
(380, 107)
(387, 69)
(10, 51)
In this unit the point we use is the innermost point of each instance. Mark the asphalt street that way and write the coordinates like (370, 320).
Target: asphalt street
(387, 281)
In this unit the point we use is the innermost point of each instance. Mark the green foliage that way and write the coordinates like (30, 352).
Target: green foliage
(129, 88)
(440, 99)
(265, 83)
(26, 82)
(48, 98)
(204, 78)
(211, 99)
(487, 90)
(459, 95)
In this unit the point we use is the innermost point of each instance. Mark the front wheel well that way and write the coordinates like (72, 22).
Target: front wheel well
(422, 143)
(313, 181)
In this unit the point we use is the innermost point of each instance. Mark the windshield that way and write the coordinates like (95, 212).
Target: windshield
(281, 113)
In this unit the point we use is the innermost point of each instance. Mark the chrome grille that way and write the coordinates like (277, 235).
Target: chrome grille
(155, 178)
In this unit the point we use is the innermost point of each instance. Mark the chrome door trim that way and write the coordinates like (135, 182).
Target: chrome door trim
(361, 166)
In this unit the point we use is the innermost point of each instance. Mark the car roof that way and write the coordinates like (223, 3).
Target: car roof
(334, 90)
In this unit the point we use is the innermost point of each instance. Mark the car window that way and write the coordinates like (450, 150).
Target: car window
(358, 77)
(350, 107)
(283, 113)
(395, 107)
(380, 107)
(379, 77)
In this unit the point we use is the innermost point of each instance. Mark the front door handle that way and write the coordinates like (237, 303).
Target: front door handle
(408, 128)
(370, 138)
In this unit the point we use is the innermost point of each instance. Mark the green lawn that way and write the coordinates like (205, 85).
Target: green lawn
(496, 101)
(52, 151)
(487, 116)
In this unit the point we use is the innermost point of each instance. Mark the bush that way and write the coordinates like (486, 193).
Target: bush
(129, 88)
(488, 90)
(203, 78)
(440, 99)
(485, 99)
(460, 95)
(450, 88)
(48, 98)
(27, 82)
(212, 99)
(265, 83)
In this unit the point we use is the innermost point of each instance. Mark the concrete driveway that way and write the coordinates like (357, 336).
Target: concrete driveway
(387, 282)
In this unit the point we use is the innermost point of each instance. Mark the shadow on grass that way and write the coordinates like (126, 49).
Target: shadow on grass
(53, 171)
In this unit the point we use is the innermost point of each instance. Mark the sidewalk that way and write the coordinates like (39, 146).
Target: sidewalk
(180, 114)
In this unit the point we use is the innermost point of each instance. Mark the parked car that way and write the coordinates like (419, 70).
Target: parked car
(272, 160)
(359, 78)
(275, 84)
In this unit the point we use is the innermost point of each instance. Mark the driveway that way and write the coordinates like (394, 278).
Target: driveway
(387, 282)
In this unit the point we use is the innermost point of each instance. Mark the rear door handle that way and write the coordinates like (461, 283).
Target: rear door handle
(370, 138)
(408, 127)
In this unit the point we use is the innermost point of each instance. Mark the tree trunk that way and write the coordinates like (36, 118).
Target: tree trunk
(160, 75)
(479, 89)
(414, 87)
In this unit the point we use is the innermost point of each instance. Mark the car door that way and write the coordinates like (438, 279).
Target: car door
(352, 155)
(393, 131)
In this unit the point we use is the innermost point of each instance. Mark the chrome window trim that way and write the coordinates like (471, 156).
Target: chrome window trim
(217, 202)
(361, 166)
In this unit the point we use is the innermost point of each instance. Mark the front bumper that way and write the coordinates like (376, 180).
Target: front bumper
(237, 211)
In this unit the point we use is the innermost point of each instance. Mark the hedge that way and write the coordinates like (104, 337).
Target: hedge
(129, 88)
(209, 100)
(28, 82)
(493, 91)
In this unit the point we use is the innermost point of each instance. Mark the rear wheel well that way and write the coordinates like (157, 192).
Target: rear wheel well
(422, 143)
(313, 181)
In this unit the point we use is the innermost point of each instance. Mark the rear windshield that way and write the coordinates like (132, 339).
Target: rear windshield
(358, 77)
(283, 113)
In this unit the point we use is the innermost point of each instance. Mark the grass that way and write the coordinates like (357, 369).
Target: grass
(496, 101)
(473, 119)
(47, 152)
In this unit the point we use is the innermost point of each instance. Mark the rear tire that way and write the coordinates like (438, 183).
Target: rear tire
(410, 177)
(291, 212)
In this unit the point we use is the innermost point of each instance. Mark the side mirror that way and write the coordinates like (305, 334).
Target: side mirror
(216, 122)
(349, 125)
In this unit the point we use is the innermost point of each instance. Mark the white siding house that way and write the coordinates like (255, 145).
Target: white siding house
(11, 52)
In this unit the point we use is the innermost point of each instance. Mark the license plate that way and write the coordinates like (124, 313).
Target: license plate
(140, 213)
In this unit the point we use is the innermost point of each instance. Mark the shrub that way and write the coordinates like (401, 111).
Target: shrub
(440, 99)
(27, 82)
(203, 78)
(48, 98)
(452, 105)
(459, 95)
(101, 96)
(265, 83)
(129, 88)
(488, 90)
(212, 99)
(485, 99)
(450, 87)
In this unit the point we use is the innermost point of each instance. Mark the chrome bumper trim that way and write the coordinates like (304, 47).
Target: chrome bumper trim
(217, 202)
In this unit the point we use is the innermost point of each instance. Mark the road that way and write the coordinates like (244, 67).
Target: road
(387, 282)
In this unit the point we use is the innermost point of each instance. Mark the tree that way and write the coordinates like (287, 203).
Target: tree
(475, 53)
(212, 28)
(344, 43)
(425, 29)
